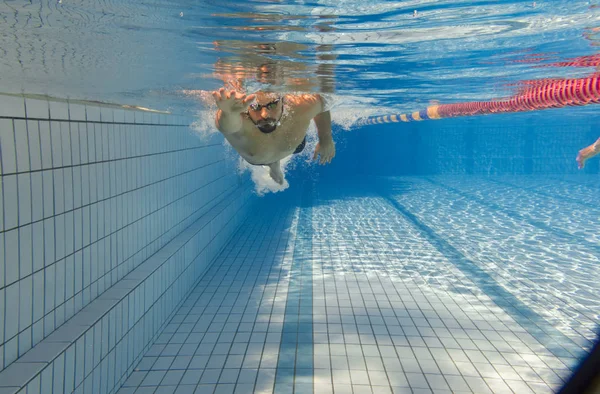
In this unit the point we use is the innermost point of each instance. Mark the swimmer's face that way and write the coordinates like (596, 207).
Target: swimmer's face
(265, 111)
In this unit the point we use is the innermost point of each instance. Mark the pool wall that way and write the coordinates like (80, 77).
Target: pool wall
(544, 142)
(109, 216)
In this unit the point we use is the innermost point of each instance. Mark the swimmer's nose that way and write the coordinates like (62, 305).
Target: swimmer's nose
(264, 113)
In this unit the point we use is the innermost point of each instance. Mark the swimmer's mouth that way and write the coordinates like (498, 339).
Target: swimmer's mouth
(267, 126)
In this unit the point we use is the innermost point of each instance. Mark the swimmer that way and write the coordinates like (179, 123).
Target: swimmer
(588, 152)
(266, 127)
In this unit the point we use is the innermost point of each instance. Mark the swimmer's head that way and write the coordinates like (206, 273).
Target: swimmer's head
(266, 111)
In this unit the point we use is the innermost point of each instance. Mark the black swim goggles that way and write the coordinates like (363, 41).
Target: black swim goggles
(269, 106)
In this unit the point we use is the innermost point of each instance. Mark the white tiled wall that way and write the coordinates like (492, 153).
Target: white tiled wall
(88, 194)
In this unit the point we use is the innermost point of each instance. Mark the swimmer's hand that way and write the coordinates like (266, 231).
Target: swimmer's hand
(232, 102)
(581, 158)
(587, 152)
(325, 149)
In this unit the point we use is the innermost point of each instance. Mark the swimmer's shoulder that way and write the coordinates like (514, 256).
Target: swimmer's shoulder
(305, 104)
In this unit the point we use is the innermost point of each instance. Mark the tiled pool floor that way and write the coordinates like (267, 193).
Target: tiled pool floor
(412, 285)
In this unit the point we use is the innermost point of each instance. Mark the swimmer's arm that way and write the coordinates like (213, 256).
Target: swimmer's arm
(313, 106)
(592, 150)
(325, 149)
(323, 123)
(322, 120)
(588, 152)
(228, 122)
(306, 105)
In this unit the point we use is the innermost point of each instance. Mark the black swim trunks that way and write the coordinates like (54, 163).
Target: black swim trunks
(300, 147)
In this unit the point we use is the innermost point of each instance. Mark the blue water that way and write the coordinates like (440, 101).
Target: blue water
(455, 255)
(376, 55)
(438, 283)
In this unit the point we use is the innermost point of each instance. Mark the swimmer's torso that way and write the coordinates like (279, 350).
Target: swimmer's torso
(257, 147)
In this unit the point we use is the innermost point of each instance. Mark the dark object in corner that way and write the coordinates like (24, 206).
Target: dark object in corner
(586, 379)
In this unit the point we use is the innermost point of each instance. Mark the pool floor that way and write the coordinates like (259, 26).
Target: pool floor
(444, 284)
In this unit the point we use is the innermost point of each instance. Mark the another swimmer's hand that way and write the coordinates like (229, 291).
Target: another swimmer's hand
(581, 158)
(232, 102)
(325, 149)
(587, 152)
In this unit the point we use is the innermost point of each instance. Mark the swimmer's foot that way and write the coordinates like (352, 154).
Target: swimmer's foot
(275, 172)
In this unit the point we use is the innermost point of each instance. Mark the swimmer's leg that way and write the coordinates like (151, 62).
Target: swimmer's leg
(275, 172)
(588, 152)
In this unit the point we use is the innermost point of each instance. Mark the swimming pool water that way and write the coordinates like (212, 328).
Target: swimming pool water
(403, 284)
(447, 256)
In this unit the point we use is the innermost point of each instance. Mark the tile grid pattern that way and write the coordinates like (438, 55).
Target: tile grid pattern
(96, 350)
(392, 312)
(228, 335)
(486, 146)
(549, 218)
(389, 312)
(295, 364)
(397, 316)
(88, 193)
(525, 256)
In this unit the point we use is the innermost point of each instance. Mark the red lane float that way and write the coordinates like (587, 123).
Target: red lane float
(536, 95)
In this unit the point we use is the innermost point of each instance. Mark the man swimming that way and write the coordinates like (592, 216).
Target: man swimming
(273, 127)
(588, 152)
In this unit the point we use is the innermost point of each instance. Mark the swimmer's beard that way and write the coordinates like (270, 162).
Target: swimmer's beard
(267, 126)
